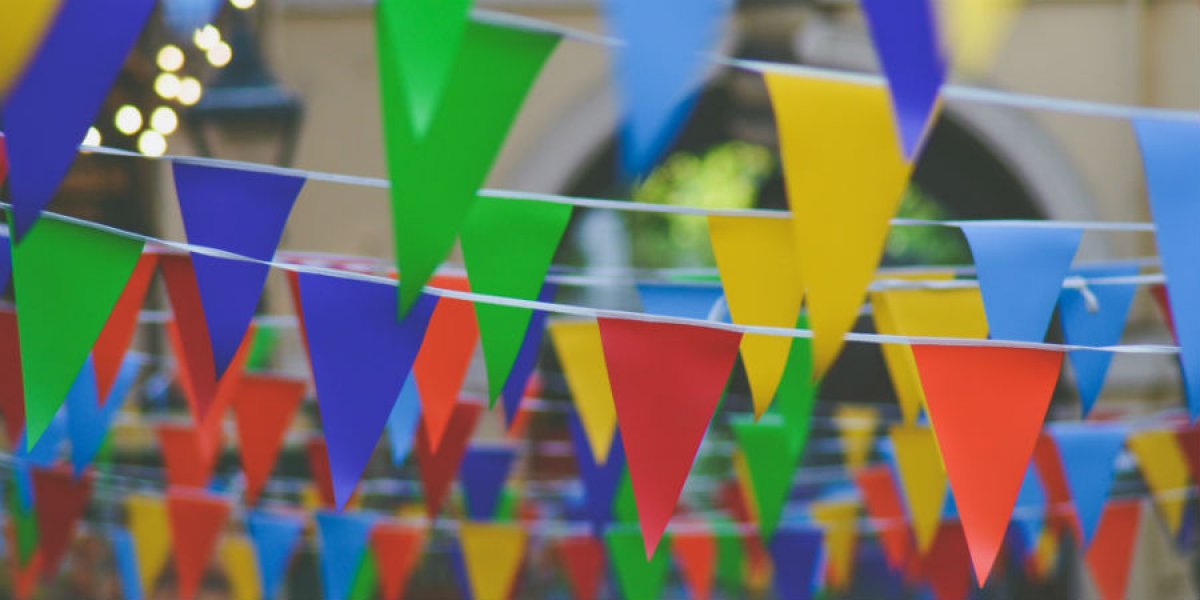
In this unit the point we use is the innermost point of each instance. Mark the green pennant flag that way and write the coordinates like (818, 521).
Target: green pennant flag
(24, 524)
(771, 459)
(508, 246)
(624, 503)
(637, 577)
(797, 391)
(731, 557)
(67, 279)
(436, 173)
(366, 579)
(428, 34)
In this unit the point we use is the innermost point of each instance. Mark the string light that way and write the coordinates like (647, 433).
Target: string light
(164, 120)
(190, 91)
(93, 137)
(206, 37)
(219, 55)
(152, 143)
(242, 4)
(167, 86)
(128, 119)
(170, 58)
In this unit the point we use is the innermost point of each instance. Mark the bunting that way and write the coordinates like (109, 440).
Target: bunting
(12, 388)
(196, 521)
(109, 351)
(402, 423)
(684, 299)
(771, 463)
(582, 558)
(439, 467)
(483, 471)
(856, 431)
(88, 418)
(799, 551)
(883, 504)
(343, 540)
(125, 557)
(1165, 471)
(397, 551)
(1111, 553)
(426, 35)
(61, 501)
(275, 538)
(1089, 455)
(264, 407)
(640, 573)
(976, 30)
(599, 479)
(24, 25)
(519, 378)
(695, 552)
(445, 356)
(237, 558)
(187, 462)
(581, 354)
(493, 554)
(150, 529)
(839, 519)
(918, 464)
(1098, 322)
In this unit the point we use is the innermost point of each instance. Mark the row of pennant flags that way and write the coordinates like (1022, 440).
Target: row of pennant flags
(379, 348)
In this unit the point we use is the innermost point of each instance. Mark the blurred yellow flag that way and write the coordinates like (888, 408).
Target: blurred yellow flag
(856, 430)
(839, 518)
(845, 175)
(241, 567)
(922, 479)
(975, 30)
(493, 555)
(582, 357)
(1165, 470)
(148, 526)
(23, 24)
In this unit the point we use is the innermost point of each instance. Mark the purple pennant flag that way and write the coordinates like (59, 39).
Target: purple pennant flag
(522, 369)
(483, 471)
(49, 110)
(906, 42)
(600, 482)
(799, 550)
(361, 357)
(5, 262)
(237, 211)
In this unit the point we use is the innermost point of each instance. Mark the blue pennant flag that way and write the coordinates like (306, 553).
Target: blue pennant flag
(243, 212)
(402, 423)
(600, 482)
(49, 110)
(361, 356)
(1021, 272)
(275, 538)
(5, 262)
(686, 300)
(659, 69)
(907, 44)
(45, 453)
(518, 377)
(1030, 510)
(1171, 157)
(458, 564)
(1089, 456)
(1098, 320)
(343, 544)
(87, 421)
(799, 551)
(483, 471)
(125, 556)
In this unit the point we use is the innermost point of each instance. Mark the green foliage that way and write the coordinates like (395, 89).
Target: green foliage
(925, 245)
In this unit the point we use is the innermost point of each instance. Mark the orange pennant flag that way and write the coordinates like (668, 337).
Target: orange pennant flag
(695, 552)
(581, 355)
(445, 355)
(264, 407)
(987, 405)
(1111, 553)
(397, 549)
(108, 353)
(187, 463)
(882, 501)
(493, 554)
(845, 174)
(197, 520)
(1165, 470)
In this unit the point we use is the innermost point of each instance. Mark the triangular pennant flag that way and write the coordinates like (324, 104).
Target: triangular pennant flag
(828, 130)
(492, 553)
(519, 377)
(947, 565)
(5, 242)
(50, 107)
(582, 558)
(25, 577)
(438, 169)
(581, 354)
(397, 550)
(61, 500)
(108, 353)
(1021, 272)
(922, 478)
(731, 556)
(402, 422)
(796, 396)
(976, 29)
(483, 471)
(1166, 473)
(150, 528)
(1172, 169)
(318, 468)
(366, 580)
(838, 518)
(987, 405)
(1111, 554)
(275, 538)
(666, 382)
(908, 46)
(196, 520)
(438, 468)
(426, 35)
(22, 27)
(659, 69)
(771, 464)
(361, 356)
(1089, 455)
(1029, 512)
(695, 552)
(882, 500)
(797, 555)
(12, 389)
(599, 479)
(184, 456)
(639, 573)
(1189, 443)
(88, 420)
(4, 174)
(507, 247)
(1098, 322)
(264, 407)
(763, 285)
(342, 542)
(22, 526)
(237, 558)
(57, 324)
(241, 212)
(856, 431)
(125, 557)
(686, 300)
(445, 356)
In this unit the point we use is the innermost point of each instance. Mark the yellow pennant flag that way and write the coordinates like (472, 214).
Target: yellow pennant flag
(839, 519)
(763, 286)
(922, 479)
(152, 546)
(23, 24)
(582, 357)
(241, 568)
(856, 430)
(975, 30)
(1045, 553)
(956, 312)
(1165, 470)
(845, 175)
(493, 555)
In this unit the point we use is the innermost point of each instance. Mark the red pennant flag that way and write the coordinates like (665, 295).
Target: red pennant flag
(197, 521)
(947, 563)
(109, 351)
(1059, 508)
(318, 468)
(184, 456)
(293, 280)
(666, 381)
(441, 365)
(397, 549)
(12, 387)
(61, 500)
(1111, 552)
(439, 467)
(1189, 443)
(987, 406)
(1159, 293)
(25, 577)
(3, 160)
(696, 554)
(264, 407)
(583, 559)
(884, 505)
